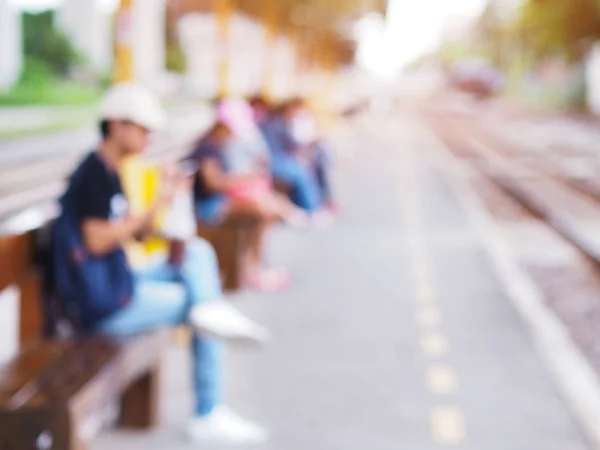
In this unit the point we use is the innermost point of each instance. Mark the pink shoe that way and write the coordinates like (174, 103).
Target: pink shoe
(270, 280)
(333, 207)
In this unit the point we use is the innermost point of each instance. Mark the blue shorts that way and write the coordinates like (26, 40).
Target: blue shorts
(211, 210)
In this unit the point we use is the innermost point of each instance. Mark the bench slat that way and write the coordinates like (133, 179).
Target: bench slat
(73, 370)
(31, 320)
(25, 368)
(7, 272)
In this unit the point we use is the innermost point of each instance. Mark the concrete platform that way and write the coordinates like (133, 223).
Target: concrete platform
(396, 334)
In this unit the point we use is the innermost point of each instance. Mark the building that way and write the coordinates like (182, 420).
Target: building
(90, 29)
(11, 59)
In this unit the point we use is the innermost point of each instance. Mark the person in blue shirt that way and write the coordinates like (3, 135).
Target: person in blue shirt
(247, 151)
(182, 288)
(293, 162)
(222, 195)
(305, 133)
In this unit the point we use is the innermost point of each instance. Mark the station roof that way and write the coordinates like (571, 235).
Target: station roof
(323, 24)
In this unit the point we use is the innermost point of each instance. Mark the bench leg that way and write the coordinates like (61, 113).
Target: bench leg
(235, 271)
(231, 243)
(45, 429)
(230, 255)
(139, 404)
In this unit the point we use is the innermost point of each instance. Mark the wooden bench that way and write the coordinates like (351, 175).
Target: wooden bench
(55, 394)
(231, 242)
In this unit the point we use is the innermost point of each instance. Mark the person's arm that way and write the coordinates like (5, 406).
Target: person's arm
(216, 179)
(101, 235)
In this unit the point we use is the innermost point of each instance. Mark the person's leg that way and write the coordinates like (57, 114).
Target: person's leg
(257, 240)
(322, 167)
(210, 313)
(195, 299)
(200, 276)
(303, 183)
(159, 301)
(211, 210)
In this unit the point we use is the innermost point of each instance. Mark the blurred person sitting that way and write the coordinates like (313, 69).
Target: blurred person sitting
(99, 286)
(222, 196)
(247, 153)
(291, 160)
(305, 132)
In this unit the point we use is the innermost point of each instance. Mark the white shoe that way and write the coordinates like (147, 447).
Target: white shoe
(223, 427)
(219, 319)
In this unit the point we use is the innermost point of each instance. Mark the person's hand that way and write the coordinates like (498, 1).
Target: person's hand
(176, 253)
(169, 184)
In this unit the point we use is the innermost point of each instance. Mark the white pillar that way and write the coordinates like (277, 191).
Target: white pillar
(593, 79)
(90, 29)
(284, 69)
(9, 323)
(247, 58)
(149, 36)
(198, 35)
(11, 45)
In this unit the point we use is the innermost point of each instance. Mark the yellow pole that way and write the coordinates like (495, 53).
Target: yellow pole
(270, 20)
(124, 49)
(223, 11)
(140, 179)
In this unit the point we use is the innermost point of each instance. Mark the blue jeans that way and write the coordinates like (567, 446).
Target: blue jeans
(210, 210)
(322, 165)
(303, 182)
(163, 297)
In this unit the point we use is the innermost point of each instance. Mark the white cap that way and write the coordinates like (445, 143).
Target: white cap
(128, 101)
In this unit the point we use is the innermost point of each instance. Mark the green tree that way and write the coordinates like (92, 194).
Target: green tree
(42, 42)
(559, 27)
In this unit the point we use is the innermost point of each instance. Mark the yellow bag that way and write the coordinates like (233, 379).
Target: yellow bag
(140, 182)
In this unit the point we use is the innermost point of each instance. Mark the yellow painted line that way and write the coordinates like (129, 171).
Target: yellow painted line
(441, 380)
(428, 316)
(434, 344)
(421, 271)
(425, 293)
(447, 425)
(416, 245)
(413, 220)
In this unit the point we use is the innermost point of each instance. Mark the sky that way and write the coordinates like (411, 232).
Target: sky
(107, 5)
(413, 28)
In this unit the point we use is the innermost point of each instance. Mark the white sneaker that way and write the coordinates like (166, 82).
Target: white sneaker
(219, 319)
(223, 427)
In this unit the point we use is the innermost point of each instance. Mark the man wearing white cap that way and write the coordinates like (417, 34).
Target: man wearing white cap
(95, 280)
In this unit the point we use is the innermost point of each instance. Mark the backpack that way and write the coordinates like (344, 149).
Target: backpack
(89, 288)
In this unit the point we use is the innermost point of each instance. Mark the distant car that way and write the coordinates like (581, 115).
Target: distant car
(476, 77)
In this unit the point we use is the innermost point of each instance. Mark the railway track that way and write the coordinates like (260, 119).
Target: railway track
(548, 219)
(33, 172)
(568, 204)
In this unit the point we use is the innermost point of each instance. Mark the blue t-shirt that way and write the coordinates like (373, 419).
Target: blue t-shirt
(100, 194)
(278, 136)
(95, 286)
(207, 150)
